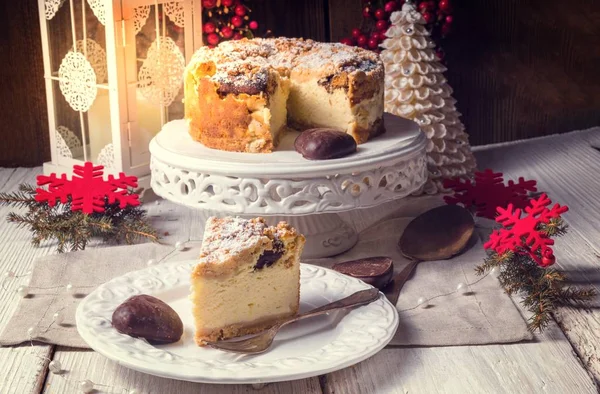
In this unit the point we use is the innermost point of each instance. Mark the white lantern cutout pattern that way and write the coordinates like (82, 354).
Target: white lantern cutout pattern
(114, 77)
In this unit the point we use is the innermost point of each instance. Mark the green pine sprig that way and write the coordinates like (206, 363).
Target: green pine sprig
(73, 230)
(543, 289)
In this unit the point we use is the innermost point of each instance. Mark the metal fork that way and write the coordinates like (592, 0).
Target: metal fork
(262, 342)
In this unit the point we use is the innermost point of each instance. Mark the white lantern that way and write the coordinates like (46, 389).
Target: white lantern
(114, 77)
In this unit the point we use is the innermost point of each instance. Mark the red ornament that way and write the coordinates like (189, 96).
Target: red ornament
(356, 32)
(381, 25)
(373, 43)
(367, 13)
(208, 4)
(240, 10)
(425, 6)
(238, 36)
(362, 41)
(390, 6)
(227, 3)
(347, 41)
(227, 32)
(209, 27)
(213, 38)
(428, 16)
(445, 5)
(253, 25)
(449, 19)
(522, 234)
(375, 36)
(379, 14)
(488, 192)
(237, 21)
(87, 190)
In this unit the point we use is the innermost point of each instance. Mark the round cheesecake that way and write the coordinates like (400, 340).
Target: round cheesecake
(241, 95)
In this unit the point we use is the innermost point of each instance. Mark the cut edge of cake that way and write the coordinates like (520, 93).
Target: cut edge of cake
(247, 278)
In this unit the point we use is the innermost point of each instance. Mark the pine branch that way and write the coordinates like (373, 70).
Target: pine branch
(543, 289)
(73, 230)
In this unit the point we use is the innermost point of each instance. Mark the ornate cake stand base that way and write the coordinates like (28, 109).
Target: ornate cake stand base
(326, 234)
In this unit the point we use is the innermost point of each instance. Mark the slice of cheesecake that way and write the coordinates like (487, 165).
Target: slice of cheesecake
(247, 277)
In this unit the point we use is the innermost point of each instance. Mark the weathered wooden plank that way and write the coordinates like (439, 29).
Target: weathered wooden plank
(566, 167)
(98, 369)
(22, 371)
(546, 365)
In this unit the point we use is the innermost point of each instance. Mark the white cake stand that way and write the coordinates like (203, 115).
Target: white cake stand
(284, 186)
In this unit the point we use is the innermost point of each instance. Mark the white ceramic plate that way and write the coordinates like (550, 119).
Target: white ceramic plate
(308, 348)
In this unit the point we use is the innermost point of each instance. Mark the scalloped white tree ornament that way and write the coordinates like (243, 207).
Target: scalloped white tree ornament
(77, 81)
(98, 9)
(140, 16)
(106, 157)
(51, 7)
(416, 89)
(161, 76)
(174, 11)
(96, 56)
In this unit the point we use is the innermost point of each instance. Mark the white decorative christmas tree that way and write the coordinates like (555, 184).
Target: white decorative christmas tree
(415, 88)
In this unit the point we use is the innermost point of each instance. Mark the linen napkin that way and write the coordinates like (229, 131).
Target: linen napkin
(486, 315)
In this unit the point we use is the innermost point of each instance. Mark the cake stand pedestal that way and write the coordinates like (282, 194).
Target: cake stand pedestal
(284, 186)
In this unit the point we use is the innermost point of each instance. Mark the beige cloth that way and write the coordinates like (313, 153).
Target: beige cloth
(485, 316)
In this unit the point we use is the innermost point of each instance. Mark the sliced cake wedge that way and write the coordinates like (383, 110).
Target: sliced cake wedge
(247, 278)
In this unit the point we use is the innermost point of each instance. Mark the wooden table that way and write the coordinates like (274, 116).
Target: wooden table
(564, 359)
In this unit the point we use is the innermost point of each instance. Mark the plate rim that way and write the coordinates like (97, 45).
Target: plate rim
(288, 375)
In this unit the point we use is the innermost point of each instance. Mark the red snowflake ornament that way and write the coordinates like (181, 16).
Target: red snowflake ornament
(488, 192)
(87, 189)
(522, 234)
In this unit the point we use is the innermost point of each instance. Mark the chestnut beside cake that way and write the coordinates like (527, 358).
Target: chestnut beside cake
(241, 95)
(247, 278)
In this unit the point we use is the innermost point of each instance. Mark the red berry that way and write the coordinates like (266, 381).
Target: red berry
(390, 6)
(374, 36)
(428, 16)
(237, 21)
(362, 41)
(208, 4)
(449, 19)
(548, 261)
(227, 32)
(238, 36)
(446, 29)
(373, 43)
(356, 32)
(424, 6)
(240, 10)
(227, 3)
(253, 25)
(381, 25)
(379, 14)
(212, 39)
(444, 5)
(367, 12)
(209, 27)
(347, 41)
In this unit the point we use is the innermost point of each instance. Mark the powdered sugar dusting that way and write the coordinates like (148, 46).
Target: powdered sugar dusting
(227, 237)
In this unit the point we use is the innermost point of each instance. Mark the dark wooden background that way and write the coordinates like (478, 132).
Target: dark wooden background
(519, 69)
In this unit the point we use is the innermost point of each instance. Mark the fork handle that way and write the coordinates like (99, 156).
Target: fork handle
(359, 298)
